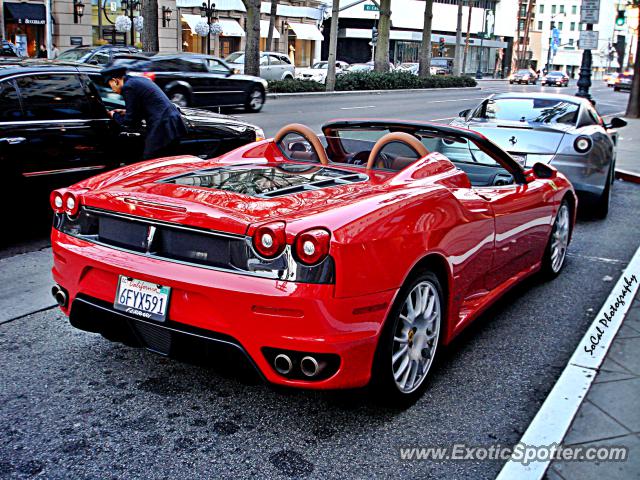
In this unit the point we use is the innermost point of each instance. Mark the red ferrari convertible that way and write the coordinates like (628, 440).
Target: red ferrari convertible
(330, 261)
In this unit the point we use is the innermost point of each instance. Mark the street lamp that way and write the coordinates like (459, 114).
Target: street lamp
(483, 34)
(130, 7)
(208, 11)
(78, 10)
(166, 16)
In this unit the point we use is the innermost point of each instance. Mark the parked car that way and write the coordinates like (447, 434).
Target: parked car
(525, 75)
(623, 82)
(328, 266)
(555, 79)
(8, 49)
(203, 81)
(414, 69)
(611, 79)
(318, 71)
(55, 130)
(366, 67)
(442, 65)
(273, 65)
(101, 56)
(560, 130)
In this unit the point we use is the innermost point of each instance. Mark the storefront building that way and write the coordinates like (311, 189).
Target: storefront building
(490, 51)
(24, 26)
(295, 32)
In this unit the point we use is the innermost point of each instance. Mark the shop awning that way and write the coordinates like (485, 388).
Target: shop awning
(26, 13)
(192, 21)
(231, 28)
(264, 30)
(305, 31)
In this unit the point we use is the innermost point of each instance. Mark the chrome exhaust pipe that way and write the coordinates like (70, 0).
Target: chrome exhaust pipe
(282, 363)
(310, 366)
(60, 295)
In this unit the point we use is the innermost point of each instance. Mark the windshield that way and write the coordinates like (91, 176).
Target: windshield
(75, 54)
(555, 74)
(236, 57)
(534, 110)
(360, 68)
(523, 72)
(321, 65)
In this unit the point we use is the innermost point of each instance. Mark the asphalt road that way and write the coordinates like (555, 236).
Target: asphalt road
(438, 105)
(73, 405)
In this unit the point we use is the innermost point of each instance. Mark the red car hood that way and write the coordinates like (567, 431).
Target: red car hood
(144, 191)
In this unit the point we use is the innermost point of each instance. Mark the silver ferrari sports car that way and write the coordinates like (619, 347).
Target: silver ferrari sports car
(562, 130)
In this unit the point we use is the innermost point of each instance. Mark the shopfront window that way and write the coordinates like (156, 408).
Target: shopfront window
(24, 26)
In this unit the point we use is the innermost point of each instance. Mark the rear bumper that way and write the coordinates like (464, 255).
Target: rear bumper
(246, 313)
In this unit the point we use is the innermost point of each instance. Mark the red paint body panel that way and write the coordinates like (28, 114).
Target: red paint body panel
(488, 238)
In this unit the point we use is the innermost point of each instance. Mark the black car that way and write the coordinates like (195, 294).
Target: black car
(556, 79)
(192, 80)
(55, 129)
(8, 49)
(101, 56)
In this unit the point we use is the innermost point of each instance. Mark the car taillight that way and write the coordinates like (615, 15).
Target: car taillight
(57, 200)
(150, 75)
(71, 203)
(312, 246)
(582, 144)
(269, 240)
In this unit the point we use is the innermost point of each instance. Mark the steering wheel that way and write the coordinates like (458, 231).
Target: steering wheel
(401, 137)
(306, 133)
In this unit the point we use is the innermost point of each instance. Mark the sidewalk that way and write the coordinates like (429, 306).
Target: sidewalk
(610, 413)
(628, 145)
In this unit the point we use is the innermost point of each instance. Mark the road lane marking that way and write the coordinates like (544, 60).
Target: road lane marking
(357, 108)
(552, 422)
(597, 259)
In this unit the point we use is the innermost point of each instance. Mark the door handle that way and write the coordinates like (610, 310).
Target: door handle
(12, 140)
(129, 134)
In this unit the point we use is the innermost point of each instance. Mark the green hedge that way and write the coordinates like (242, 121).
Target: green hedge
(373, 81)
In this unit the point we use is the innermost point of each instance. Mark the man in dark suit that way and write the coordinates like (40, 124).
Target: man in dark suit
(144, 100)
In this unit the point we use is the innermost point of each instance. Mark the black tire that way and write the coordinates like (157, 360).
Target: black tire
(616, 89)
(549, 270)
(179, 97)
(382, 377)
(601, 209)
(254, 100)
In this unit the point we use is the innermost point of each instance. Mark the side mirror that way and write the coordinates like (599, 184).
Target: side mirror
(617, 123)
(542, 170)
(464, 113)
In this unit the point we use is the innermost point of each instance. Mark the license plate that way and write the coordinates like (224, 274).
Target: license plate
(521, 159)
(142, 299)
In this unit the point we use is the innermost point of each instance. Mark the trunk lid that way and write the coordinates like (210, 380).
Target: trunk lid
(522, 137)
(230, 198)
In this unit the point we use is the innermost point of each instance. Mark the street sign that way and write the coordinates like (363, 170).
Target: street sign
(371, 8)
(590, 11)
(113, 6)
(588, 40)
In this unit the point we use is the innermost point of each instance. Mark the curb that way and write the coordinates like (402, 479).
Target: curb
(555, 416)
(366, 92)
(628, 176)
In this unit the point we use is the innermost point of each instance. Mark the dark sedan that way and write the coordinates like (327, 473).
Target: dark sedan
(556, 79)
(101, 56)
(192, 80)
(55, 129)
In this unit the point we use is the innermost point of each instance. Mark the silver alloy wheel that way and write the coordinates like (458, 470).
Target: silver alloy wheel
(416, 337)
(179, 99)
(560, 238)
(255, 99)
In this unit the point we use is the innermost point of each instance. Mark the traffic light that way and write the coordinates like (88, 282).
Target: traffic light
(374, 35)
(441, 47)
(620, 18)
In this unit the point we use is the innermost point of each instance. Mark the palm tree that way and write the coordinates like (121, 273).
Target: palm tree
(252, 46)
(466, 42)
(272, 20)
(333, 47)
(457, 64)
(424, 69)
(382, 48)
(150, 42)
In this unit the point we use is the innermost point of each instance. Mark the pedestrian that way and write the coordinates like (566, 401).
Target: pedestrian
(42, 51)
(144, 100)
(55, 52)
